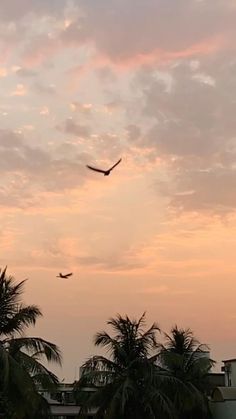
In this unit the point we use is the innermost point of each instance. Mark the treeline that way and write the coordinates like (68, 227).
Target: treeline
(143, 376)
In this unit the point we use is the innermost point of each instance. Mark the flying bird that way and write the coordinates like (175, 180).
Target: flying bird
(65, 276)
(105, 172)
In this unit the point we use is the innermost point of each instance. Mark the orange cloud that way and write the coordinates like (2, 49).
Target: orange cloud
(19, 91)
(3, 72)
(44, 111)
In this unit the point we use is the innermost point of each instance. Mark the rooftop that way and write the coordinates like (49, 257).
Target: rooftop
(220, 394)
(230, 360)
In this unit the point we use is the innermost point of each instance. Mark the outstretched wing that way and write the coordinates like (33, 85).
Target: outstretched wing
(115, 164)
(95, 169)
(69, 274)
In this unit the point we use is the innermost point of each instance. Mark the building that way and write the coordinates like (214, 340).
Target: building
(223, 398)
(229, 370)
(221, 393)
(62, 402)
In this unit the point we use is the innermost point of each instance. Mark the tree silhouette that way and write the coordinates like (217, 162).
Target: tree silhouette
(22, 371)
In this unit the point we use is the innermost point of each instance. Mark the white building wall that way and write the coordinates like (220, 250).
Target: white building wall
(230, 373)
(233, 374)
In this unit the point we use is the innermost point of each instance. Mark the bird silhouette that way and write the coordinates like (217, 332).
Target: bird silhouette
(64, 276)
(105, 172)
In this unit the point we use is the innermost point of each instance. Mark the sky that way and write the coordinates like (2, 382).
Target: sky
(90, 81)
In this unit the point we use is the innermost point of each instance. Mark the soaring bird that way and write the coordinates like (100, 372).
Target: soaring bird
(105, 172)
(65, 276)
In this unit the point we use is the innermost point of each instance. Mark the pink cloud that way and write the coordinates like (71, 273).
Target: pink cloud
(136, 31)
(157, 57)
(162, 57)
(133, 35)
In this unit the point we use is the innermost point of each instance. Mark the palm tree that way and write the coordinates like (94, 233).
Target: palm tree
(22, 371)
(128, 384)
(186, 359)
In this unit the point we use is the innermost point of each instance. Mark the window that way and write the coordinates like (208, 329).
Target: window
(69, 397)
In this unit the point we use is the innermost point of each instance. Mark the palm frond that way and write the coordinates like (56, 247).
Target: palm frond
(147, 340)
(39, 373)
(23, 317)
(37, 347)
(103, 339)
(21, 369)
(21, 387)
(97, 371)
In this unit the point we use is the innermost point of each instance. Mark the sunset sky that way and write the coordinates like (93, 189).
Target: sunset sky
(90, 81)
